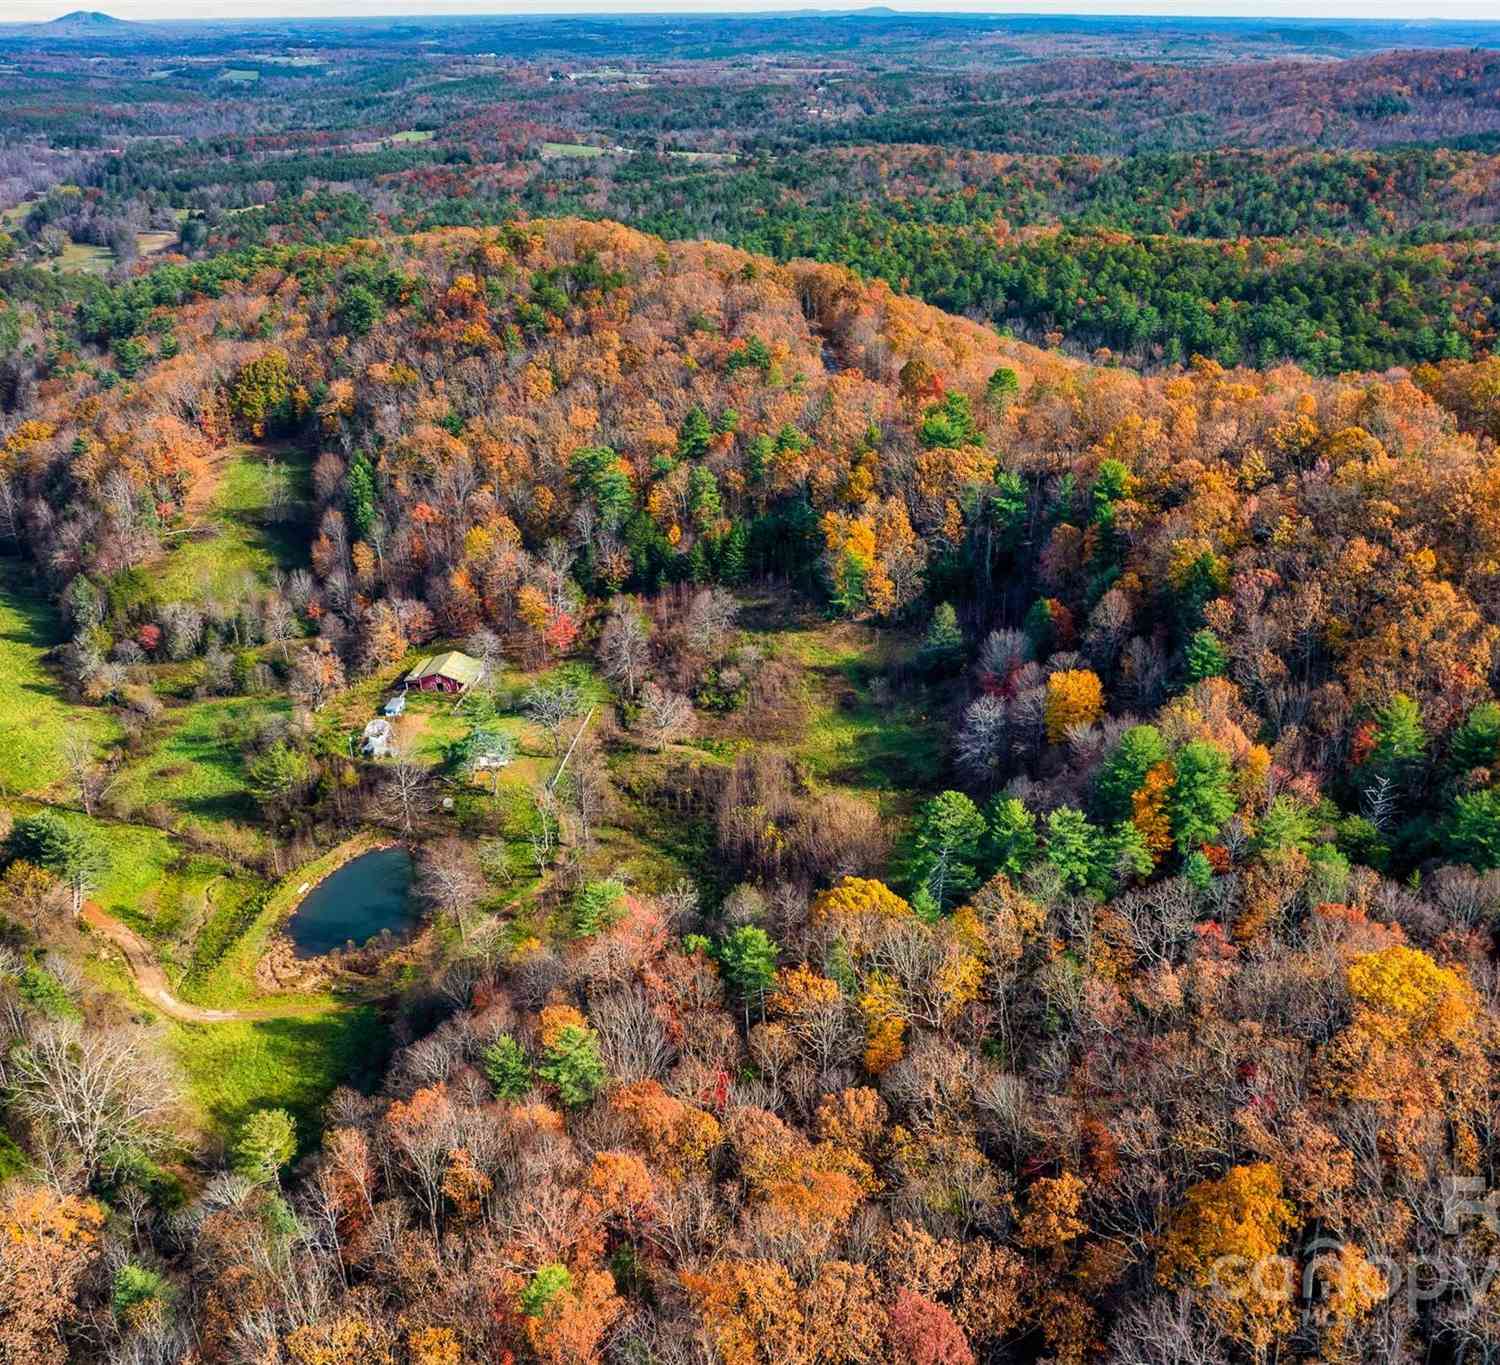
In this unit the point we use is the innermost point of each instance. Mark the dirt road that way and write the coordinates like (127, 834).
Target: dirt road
(150, 980)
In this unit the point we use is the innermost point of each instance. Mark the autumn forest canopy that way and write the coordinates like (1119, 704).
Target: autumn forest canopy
(881, 635)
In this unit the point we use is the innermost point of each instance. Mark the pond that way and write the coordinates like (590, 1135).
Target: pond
(365, 896)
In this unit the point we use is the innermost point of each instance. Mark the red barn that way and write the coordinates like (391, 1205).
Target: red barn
(450, 672)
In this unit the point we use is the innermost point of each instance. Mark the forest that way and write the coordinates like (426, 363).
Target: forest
(880, 636)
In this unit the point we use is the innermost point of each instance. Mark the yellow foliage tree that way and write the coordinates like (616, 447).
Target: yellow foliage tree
(885, 1024)
(856, 908)
(1074, 697)
(1051, 1220)
(1413, 1041)
(47, 1245)
(1226, 1241)
(1408, 997)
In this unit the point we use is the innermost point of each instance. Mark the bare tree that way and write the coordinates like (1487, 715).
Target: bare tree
(710, 618)
(93, 780)
(484, 645)
(545, 826)
(405, 787)
(982, 744)
(10, 512)
(1165, 1331)
(448, 879)
(97, 1093)
(625, 647)
(666, 717)
(1378, 801)
(550, 707)
(632, 1040)
(317, 673)
(278, 621)
(586, 788)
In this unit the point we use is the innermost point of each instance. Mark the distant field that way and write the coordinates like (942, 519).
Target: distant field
(578, 149)
(151, 243)
(584, 151)
(78, 258)
(239, 75)
(409, 137)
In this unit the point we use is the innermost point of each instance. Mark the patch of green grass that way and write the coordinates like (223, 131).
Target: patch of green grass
(856, 737)
(860, 744)
(185, 897)
(13, 1160)
(412, 135)
(35, 717)
(574, 149)
(148, 881)
(243, 545)
(82, 258)
(239, 75)
(236, 906)
(141, 867)
(292, 1062)
(197, 767)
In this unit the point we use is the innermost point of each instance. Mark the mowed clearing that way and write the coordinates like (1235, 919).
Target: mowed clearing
(35, 717)
(241, 538)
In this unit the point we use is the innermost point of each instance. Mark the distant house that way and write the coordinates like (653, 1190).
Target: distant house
(450, 672)
(376, 740)
(396, 706)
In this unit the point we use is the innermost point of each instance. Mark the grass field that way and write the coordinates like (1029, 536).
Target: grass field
(856, 737)
(292, 1058)
(148, 880)
(79, 258)
(239, 546)
(153, 243)
(291, 1062)
(239, 75)
(574, 149)
(196, 767)
(35, 717)
(412, 135)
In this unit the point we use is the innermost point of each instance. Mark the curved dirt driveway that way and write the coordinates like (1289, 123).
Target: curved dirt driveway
(150, 980)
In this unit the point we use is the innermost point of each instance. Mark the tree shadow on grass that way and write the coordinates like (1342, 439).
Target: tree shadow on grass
(292, 1062)
(223, 808)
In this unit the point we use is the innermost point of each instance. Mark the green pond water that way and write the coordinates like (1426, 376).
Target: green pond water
(364, 897)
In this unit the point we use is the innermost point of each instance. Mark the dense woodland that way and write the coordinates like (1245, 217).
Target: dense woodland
(978, 839)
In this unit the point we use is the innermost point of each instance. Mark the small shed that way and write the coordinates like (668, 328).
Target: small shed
(376, 740)
(395, 706)
(450, 672)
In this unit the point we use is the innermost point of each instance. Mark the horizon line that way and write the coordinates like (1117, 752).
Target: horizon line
(1158, 12)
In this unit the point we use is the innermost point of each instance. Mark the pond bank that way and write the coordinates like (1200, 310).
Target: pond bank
(238, 978)
(368, 898)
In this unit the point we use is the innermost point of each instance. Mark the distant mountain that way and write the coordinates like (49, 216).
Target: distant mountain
(86, 23)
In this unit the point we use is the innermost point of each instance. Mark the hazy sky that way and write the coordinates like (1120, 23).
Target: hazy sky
(22, 10)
